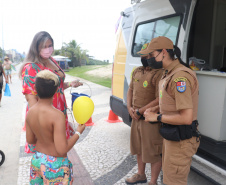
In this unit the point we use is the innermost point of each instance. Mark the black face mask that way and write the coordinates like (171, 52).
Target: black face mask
(154, 64)
(144, 62)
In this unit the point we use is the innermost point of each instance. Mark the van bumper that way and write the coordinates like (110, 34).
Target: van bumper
(120, 109)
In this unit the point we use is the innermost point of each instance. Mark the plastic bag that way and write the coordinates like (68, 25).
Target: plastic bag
(7, 90)
(196, 64)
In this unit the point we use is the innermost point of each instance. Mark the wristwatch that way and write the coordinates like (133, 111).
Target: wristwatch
(138, 113)
(159, 118)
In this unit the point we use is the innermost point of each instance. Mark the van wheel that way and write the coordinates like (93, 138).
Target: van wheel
(2, 157)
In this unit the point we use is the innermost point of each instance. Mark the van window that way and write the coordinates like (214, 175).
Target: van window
(167, 27)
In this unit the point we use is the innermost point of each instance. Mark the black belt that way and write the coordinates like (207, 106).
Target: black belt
(180, 132)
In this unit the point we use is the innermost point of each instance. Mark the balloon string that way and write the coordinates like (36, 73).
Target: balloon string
(73, 119)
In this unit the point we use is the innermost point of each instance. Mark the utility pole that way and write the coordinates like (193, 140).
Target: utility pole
(3, 54)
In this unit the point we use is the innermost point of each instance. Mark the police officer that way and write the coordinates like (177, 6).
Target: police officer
(178, 103)
(145, 140)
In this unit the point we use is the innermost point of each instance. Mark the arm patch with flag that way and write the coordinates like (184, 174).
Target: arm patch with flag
(181, 84)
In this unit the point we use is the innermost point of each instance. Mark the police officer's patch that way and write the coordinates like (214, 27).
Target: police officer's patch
(145, 84)
(144, 46)
(160, 93)
(181, 86)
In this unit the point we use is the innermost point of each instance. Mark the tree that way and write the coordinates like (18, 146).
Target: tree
(81, 55)
(75, 53)
(72, 50)
(57, 52)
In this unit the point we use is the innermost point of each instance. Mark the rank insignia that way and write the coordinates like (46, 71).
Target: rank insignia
(181, 86)
(145, 84)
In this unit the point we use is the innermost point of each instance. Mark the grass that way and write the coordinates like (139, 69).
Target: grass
(81, 73)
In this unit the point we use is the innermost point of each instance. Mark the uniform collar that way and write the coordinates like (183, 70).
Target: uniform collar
(142, 68)
(172, 66)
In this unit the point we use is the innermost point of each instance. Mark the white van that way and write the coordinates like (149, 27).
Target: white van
(198, 28)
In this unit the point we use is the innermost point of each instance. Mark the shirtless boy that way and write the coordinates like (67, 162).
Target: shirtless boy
(8, 69)
(45, 127)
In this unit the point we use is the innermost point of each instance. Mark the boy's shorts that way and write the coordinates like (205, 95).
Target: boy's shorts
(46, 169)
(8, 72)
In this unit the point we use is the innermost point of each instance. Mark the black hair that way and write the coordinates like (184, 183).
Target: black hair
(45, 88)
(175, 52)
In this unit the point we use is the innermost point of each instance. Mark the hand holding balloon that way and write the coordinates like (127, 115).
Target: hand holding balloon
(83, 108)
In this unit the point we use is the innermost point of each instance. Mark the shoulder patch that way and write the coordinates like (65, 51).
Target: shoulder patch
(180, 79)
(181, 86)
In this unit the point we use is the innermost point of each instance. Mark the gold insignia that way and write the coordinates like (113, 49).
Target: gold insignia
(180, 79)
(144, 46)
(145, 84)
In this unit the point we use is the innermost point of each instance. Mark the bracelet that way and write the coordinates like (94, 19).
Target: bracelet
(77, 132)
(69, 84)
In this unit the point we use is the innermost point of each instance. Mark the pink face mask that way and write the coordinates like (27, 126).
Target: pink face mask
(46, 52)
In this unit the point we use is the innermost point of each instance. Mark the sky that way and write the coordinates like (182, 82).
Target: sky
(90, 22)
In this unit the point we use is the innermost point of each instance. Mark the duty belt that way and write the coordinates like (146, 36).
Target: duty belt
(180, 132)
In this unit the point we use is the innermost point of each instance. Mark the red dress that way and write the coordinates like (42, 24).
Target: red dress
(28, 77)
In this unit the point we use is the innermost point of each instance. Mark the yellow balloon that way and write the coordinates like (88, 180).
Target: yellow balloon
(83, 108)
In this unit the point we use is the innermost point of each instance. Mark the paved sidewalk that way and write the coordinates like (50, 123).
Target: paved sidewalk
(11, 123)
(101, 156)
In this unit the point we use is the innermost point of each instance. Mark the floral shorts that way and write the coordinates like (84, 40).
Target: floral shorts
(46, 169)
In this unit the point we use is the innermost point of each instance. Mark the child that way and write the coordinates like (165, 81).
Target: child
(45, 127)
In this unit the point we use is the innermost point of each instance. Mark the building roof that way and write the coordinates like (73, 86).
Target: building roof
(61, 58)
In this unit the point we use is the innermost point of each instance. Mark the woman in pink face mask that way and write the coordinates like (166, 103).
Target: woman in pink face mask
(39, 58)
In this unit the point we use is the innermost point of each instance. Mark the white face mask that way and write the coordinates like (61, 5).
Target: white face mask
(46, 52)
